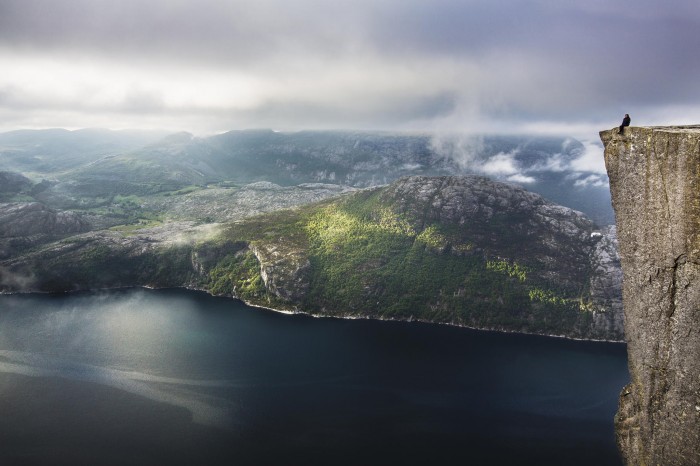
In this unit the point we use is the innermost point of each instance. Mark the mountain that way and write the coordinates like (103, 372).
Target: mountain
(49, 152)
(654, 174)
(550, 166)
(460, 250)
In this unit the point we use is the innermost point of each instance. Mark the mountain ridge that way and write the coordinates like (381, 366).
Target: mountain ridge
(423, 248)
(81, 167)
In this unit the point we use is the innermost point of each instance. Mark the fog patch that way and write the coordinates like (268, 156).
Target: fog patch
(16, 281)
(464, 150)
(555, 163)
(596, 181)
(501, 164)
(589, 159)
(520, 178)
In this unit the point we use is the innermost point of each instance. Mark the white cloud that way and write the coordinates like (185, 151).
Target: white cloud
(590, 159)
(592, 180)
(520, 178)
(463, 149)
(505, 165)
(501, 164)
(554, 163)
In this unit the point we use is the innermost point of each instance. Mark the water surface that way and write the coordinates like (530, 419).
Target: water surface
(179, 377)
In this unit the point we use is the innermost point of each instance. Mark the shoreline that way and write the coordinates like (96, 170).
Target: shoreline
(319, 316)
(421, 321)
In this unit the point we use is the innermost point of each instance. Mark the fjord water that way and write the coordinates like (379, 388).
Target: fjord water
(180, 377)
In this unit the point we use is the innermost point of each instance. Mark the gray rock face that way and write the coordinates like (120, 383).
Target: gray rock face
(27, 224)
(606, 282)
(285, 271)
(655, 183)
(32, 218)
(225, 204)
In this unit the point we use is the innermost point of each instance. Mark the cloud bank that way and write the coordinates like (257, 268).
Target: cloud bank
(581, 162)
(510, 66)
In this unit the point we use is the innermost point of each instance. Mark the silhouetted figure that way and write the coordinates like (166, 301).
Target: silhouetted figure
(625, 122)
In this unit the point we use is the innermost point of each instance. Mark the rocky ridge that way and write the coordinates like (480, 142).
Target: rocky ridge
(217, 204)
(26, 224)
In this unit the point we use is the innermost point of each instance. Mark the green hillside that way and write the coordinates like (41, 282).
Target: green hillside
(363, 256)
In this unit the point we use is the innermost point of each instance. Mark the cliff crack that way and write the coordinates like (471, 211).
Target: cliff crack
(680, 260)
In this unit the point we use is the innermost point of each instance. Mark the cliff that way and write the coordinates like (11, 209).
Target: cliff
(655, 184)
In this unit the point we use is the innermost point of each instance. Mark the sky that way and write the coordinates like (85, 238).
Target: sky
(205, 66)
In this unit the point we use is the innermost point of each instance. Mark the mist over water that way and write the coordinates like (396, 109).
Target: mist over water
(211, 378)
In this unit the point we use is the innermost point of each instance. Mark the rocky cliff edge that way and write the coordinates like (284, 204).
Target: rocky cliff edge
(655, 184)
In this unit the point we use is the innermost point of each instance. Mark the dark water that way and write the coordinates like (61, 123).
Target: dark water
(178, 377)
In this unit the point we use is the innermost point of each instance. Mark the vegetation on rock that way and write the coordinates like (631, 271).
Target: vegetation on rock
(368, 258)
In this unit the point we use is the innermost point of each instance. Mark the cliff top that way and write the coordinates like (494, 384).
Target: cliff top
(608, 134)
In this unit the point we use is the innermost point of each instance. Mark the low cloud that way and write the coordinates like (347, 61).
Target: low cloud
(589, 159)
(464, 150)
(501, 164)
(467, 151)
(582, 161)
(555, 163)
(520, 178)
(138, 100)
(597, 181)
(16, 281)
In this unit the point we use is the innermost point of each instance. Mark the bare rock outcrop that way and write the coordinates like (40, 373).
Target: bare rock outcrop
(284, 270)
(26, 224)
(655, 183)
(33, 218)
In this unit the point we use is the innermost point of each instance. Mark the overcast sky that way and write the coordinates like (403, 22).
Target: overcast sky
(552, 66)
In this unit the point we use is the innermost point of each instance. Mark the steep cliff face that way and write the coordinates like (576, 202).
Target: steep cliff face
(655, 183)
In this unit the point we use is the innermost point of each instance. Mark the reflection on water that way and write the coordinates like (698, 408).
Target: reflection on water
(174, 391)
(293, 384)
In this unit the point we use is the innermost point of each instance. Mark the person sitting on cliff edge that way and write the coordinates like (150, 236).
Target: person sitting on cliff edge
(625, 122)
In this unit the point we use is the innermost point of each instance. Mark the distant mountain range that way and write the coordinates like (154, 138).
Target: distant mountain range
(100, 163)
